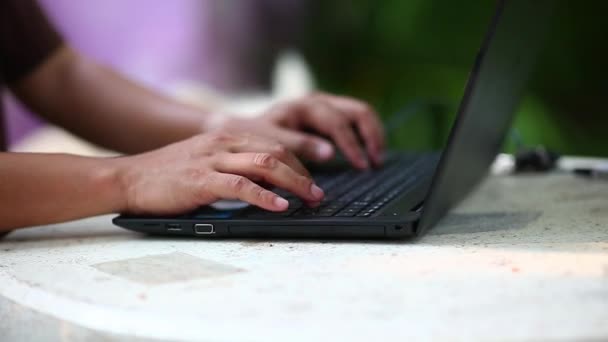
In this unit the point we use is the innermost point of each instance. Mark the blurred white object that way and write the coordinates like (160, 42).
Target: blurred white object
(53, 139)
(291, 79)
(503, 164)
(571, 163)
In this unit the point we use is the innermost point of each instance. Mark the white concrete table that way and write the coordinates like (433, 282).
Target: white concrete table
(525, 258)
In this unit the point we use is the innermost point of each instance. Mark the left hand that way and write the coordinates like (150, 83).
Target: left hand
(342, 119)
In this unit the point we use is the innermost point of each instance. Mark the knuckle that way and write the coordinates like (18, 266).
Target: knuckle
(343, 126)
(237, 183)
(220, 137)
(264, 160)
(334, 121)
(315, 105)
(304, 182)
(200, 142)
(195, 174)
(299, 106)
(280, 151)
(207, 183)
(365, 109)
(217, 157)
(317, 95)
(260, 195)
(365, 130)
(211, 178)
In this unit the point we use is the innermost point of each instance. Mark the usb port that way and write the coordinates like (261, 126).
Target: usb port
(174, 227)
(204, 229)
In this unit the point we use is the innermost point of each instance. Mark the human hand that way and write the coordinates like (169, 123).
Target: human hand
(209, 167)
(341, 119)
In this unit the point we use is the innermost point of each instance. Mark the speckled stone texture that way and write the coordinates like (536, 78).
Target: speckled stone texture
(525, 258)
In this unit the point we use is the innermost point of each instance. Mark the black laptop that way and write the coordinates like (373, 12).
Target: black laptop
(411, 192)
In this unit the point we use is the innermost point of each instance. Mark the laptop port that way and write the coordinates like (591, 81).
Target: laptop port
(174, 227)
(204, 229)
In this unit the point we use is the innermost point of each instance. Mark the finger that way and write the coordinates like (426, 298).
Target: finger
(367, 120)
(229, 186)
(332, 122)
(371, 135)
(305, 145)
(279, 151)
(270, 170)
(345, 138)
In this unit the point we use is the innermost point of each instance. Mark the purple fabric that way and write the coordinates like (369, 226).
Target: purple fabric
(152, 41)
(19, 122)
(158, 41)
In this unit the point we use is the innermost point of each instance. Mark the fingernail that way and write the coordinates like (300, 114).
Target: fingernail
(281, 203)
(324, 150)
(316, 191)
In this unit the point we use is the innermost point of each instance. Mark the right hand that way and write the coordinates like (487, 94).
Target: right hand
(209, 167)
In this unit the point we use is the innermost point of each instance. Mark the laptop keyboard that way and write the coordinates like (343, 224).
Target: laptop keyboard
(355, 193)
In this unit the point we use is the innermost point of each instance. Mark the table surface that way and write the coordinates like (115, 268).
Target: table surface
(526, 257)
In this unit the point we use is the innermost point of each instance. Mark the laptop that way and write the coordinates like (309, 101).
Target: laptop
(411, 192)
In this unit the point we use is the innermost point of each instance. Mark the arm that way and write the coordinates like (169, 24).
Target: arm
(101, 106)
(48, 188)
(109, 110)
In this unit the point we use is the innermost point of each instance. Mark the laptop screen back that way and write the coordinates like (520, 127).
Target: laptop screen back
(493, 92)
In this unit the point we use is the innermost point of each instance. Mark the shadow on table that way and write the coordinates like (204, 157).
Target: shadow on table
(468, 223)
(522, 230)
(457, 229)
(253, 241)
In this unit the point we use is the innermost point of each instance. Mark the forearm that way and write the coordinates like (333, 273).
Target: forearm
(38, 189)
(105, 108)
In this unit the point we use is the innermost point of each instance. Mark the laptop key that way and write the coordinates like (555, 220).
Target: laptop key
(353, 193)
(344, 214)
(348, 212)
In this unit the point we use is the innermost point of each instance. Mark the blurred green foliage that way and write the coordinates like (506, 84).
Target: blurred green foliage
(395, 52)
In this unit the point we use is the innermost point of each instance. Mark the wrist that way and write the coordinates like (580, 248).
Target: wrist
(113, 180)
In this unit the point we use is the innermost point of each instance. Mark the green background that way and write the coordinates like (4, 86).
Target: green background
(396, 52)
